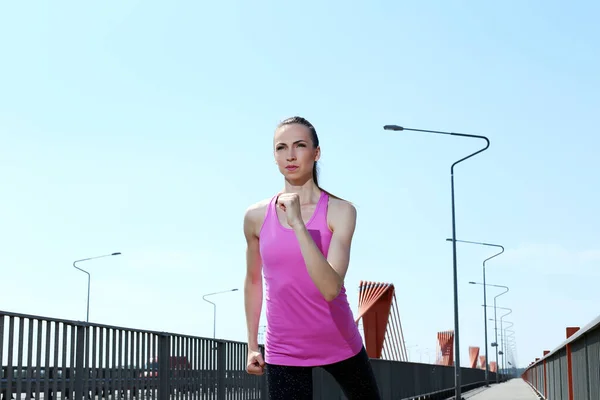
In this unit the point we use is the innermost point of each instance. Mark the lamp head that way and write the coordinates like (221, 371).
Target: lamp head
(116, 254)
(393, 128)
(472, 283)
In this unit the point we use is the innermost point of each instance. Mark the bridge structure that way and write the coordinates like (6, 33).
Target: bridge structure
(572, 370)
(382, 328)
(45, 358)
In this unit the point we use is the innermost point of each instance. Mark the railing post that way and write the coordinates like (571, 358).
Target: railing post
(164, 370)
(9, 367)
(570, 332)
(546, 352)
(538, 380)
(80, 347)
(588, 388)
(221, 370)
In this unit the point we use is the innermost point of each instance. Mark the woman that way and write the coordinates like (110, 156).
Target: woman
(300, 240)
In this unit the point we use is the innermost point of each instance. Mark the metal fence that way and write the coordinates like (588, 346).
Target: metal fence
(405, 380)
(52, 359)
(572, 370)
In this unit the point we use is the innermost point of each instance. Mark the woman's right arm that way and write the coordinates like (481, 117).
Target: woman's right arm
(253, 293)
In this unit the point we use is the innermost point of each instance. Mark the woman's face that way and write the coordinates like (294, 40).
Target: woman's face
(294, 152)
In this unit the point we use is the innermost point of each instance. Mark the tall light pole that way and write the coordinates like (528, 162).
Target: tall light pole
(501, 308)
(457, 370)
(495, 323)
(503, 332)
(484, 297)
(503, 340)
(87, 318)
(513, 344)
(215, 308)
(502, 318)
(496, 330)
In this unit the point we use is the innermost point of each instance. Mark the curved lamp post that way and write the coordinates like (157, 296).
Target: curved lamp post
(215, 308)
(457, 370)
(87, 317)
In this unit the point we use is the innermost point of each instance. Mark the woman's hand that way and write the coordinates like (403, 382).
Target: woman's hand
(255, 364)
(290, 204)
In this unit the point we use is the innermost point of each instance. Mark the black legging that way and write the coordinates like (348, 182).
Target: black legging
(354, 375)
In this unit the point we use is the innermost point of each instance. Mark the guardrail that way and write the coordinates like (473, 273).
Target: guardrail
(44, 359)
(572, 370)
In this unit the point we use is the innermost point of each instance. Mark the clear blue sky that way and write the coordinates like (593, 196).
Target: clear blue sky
(146, 128)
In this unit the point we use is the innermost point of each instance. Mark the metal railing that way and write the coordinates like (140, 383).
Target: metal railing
(405, 380)
(52, 359)
(572, 370)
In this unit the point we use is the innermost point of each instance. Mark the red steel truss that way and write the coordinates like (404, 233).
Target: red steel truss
(482, 362)
(445, 348)
(473, 356)
(381, 321)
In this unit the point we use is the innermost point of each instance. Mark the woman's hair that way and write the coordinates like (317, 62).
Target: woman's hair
(314, 137)
(315, 140)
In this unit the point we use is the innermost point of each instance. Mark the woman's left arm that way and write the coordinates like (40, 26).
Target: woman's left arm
(328, 273)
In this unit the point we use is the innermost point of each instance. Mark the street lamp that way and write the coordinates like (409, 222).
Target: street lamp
(495, 320)
(512, 345)
(501, 321)
(484, 299)
(87, 318)
(215, 308)
(501, 308)
(503, 337)
(503, 333)
(457, 370)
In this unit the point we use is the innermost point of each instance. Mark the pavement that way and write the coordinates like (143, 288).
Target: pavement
(515, 389)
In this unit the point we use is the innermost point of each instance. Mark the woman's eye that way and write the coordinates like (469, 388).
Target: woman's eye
(301, 145)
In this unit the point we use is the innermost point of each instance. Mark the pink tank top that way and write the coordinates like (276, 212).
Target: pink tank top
(303, 329)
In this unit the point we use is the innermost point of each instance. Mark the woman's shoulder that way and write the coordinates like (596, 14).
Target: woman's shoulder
(340, 212)
(339, 205)
(255, 214)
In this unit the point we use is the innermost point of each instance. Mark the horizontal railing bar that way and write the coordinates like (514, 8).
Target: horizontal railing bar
(121, 328)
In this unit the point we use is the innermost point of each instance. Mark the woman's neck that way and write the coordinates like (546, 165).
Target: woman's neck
(309, 192)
